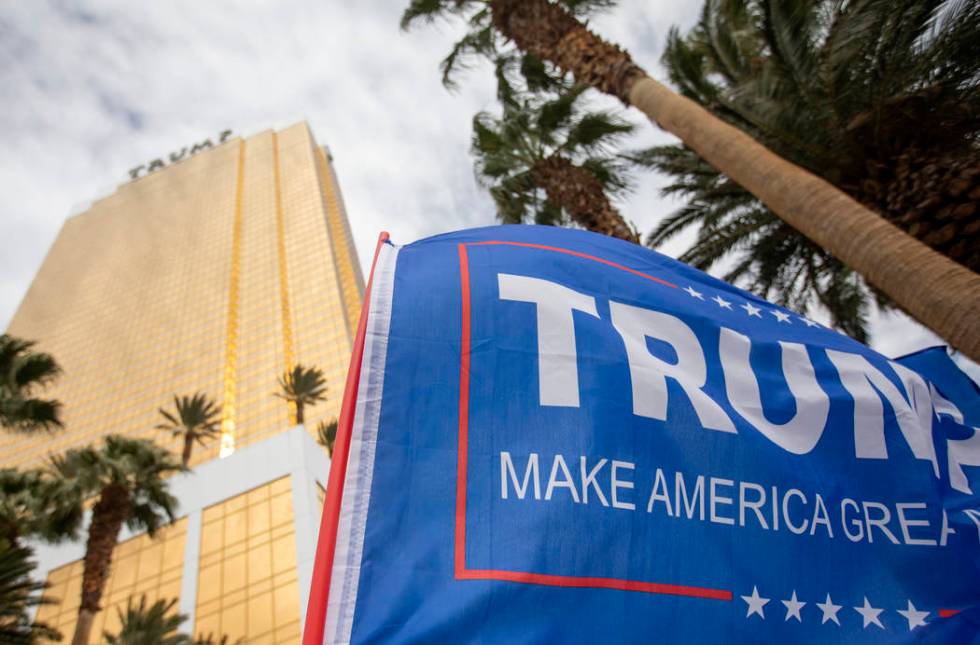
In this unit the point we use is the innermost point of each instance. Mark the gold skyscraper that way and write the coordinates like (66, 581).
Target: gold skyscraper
(215, 273)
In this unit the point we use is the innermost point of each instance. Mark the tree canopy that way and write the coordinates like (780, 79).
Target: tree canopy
(881, 99)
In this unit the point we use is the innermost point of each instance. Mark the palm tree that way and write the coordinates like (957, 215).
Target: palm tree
(773, 70)
(32, 504)
(769, 257)
(196, 418)
(940, 293)
(326, 435)
(302, 386)
(22, 373)
(549, 160)
(157, 624)
(127, 478)
(18, 594)
(211, 639)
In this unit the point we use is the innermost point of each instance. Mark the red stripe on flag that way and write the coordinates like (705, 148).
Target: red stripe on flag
(464, 411)
(461, 572)
(316, 610)
(576, 254)
(593, 582)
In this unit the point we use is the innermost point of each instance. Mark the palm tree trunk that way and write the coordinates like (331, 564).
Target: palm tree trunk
(578, 191)
(185, 457)
(299, 412)
(83, 627)
(107, 518)
(12, 534)
(938, 292)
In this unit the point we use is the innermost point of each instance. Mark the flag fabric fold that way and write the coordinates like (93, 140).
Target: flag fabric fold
(554, 436)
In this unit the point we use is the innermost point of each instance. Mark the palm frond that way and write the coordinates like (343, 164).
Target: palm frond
(843, 89)
(19, 594)
(24, 371)
(154, 624)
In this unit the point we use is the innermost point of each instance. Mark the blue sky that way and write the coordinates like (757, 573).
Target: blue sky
(93, 89)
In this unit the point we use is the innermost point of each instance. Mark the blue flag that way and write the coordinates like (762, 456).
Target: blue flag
(551, 436)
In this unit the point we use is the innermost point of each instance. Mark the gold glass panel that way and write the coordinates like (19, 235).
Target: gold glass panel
(141, 569)
(270, 277)
(135, 309)
(256, 553)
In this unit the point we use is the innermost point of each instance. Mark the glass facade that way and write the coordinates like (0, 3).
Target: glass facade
(215, 274)
(141, 565)
(247, 579)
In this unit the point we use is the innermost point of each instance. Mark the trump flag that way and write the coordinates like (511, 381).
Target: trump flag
(551, 436)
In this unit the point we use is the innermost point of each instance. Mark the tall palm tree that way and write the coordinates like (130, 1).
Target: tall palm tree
(22, 373)
(901, 136)
(302, 386)
(549, 160)
(18, 595)
(195, 418)
(32, 505)
(156, 624)
(940, 293)
(127, 479)
(326, 435)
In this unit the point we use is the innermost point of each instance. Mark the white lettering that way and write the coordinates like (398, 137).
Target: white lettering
(905, 523)
(946, 531)
(557, 360)
(854, 522)
(744, 503)
(618, 483)
(590, 480)
(649, 374)
(564, 482)
(881, 521)
(799, 530)
(864, 382)
(659, 493)
(798, 435)
(695, 501)
(507, 466)
(720, 500)
(820, 516)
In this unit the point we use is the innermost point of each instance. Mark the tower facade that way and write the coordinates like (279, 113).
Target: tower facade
(214, 274)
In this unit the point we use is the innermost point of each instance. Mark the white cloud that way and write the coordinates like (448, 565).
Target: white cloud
(90, 93)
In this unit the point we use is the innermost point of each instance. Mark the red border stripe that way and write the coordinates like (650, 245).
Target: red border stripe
(464, 413)
(461, 572)
(600, 583)
(578, 255)
(316, 610)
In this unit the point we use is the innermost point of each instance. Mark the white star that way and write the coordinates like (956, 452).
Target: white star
(780, 316)
(916, 618)
(793, 607)
(756, 603)
(869, 614)
(724, 304)
(808, 322)
(750, 310)
(694, 294)
(829, 610)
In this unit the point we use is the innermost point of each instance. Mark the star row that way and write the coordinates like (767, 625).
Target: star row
(751, 310)
(870, 615)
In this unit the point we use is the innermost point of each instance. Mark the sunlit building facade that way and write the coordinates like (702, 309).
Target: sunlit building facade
(215, 273)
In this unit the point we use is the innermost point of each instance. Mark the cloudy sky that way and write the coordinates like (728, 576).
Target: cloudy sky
(93, 89)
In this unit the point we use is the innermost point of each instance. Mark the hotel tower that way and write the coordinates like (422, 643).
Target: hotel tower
(215, 269)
